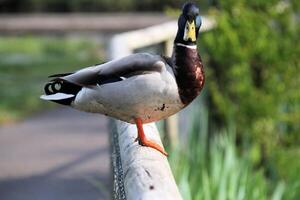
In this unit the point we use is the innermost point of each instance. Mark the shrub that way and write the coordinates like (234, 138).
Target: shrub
(253, 79)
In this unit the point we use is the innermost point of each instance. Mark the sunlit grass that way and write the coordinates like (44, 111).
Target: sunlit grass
(25, 64)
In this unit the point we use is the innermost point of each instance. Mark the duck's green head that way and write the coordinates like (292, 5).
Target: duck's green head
(189, 24)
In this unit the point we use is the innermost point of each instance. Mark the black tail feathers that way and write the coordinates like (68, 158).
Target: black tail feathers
(63, 87)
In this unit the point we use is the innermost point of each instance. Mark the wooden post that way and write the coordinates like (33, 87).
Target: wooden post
(171, 123)
(171, 131)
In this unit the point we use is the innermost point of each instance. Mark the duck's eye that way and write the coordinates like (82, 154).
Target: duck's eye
(198, 21)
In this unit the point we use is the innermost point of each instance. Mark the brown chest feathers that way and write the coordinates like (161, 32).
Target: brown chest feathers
(189, 73)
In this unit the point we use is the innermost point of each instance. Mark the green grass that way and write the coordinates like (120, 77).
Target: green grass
(215, 169)
(25, 63)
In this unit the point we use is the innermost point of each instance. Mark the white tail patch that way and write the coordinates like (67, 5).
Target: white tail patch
(57, 96)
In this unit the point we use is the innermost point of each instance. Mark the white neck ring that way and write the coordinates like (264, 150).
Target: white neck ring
(187, 46)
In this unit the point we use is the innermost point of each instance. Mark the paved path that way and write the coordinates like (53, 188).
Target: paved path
(61, 154)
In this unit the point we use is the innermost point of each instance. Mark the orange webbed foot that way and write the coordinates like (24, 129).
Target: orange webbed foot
(151, 144)
(144, 142)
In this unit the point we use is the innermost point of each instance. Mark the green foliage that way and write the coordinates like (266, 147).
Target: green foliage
(25, 64)
(254, 67)
(211, 169)
(253, 78)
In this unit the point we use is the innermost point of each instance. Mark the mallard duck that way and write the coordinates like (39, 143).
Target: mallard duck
(140, 88)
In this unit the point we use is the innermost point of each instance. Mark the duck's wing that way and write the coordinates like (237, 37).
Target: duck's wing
(113, 71)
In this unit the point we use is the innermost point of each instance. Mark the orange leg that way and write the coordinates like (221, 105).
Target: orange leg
(142, 138)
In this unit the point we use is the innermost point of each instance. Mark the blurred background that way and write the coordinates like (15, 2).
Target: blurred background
(241, 138)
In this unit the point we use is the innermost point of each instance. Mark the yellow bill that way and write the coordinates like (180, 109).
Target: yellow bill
(190, 31)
